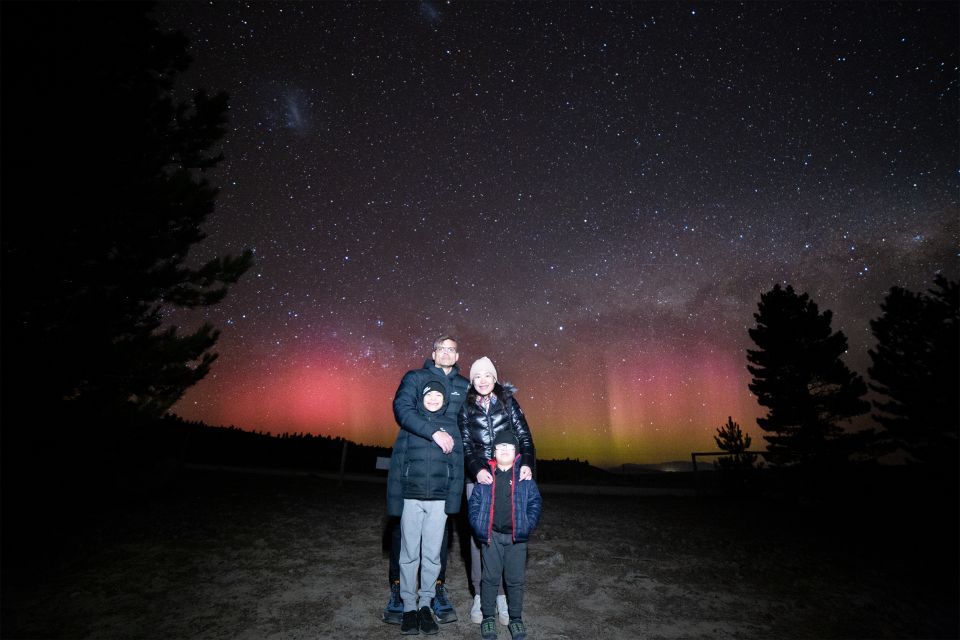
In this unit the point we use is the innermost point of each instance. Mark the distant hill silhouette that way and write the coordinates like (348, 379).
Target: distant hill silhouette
(199, 443)
(172, 442)
(659, 467)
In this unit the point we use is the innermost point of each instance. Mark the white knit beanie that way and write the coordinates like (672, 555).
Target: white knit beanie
(483, 365)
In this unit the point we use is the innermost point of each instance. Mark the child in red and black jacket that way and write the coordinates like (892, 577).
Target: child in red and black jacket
(503, 515)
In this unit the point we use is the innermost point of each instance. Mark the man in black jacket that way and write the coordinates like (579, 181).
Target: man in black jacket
(442, 368)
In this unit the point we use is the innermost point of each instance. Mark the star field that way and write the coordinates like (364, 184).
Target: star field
(593, 195)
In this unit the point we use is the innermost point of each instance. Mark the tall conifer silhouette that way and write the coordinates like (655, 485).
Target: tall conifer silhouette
(799, 377)
(105, 193)
(916, 368)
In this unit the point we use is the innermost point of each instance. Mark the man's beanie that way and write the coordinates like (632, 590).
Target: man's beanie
(483, 365)
(506, 437)
(433, 385)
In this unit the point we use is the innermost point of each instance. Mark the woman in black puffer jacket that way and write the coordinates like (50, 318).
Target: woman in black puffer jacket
(489, 409)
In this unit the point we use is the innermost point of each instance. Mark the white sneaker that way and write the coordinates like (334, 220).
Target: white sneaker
(502, 613)
(476, 615)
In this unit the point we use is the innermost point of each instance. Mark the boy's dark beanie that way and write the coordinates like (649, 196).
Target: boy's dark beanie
(506, 437)
(433, 385)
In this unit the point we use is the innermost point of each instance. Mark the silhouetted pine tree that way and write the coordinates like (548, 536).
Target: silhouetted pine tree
(799, 376)
(732, 439)
(104, 195)
(916, 367)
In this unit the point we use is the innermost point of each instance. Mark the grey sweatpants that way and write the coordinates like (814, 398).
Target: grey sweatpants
(421, 535)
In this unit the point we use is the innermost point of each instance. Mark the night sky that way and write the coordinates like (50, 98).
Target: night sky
(594, 195)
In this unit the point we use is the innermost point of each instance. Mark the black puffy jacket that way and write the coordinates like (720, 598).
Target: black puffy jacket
(478, 429)
(429, 474)
(417, 428)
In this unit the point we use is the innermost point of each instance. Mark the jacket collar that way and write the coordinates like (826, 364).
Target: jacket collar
(516, 464)
(430, 365)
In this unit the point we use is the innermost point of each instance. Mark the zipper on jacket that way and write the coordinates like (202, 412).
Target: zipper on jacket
(514, 481)
(493, 500)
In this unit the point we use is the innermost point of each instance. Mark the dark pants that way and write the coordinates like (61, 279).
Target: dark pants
(394, 574)
(507, 559)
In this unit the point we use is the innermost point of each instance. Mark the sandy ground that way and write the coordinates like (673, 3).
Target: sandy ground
(229, 556)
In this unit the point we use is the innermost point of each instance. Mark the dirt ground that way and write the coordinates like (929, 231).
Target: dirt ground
(235, 556)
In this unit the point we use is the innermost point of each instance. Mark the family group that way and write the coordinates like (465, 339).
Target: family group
(457, 434)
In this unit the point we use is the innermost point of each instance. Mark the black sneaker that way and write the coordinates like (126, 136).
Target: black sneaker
(393, 612)
(488, 629)
(427, 624)
(442, 607)
(517, 630)
(411, 623)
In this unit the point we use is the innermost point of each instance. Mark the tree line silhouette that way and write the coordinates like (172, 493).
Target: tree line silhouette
(809, 393)
(180, 441)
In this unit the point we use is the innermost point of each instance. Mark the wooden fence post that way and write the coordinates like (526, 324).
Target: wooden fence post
(343, 462)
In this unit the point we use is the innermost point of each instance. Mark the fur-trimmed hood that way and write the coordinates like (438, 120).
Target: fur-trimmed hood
(502, 391)
(478, 428)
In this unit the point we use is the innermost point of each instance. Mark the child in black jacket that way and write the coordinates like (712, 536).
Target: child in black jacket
(432, 483)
